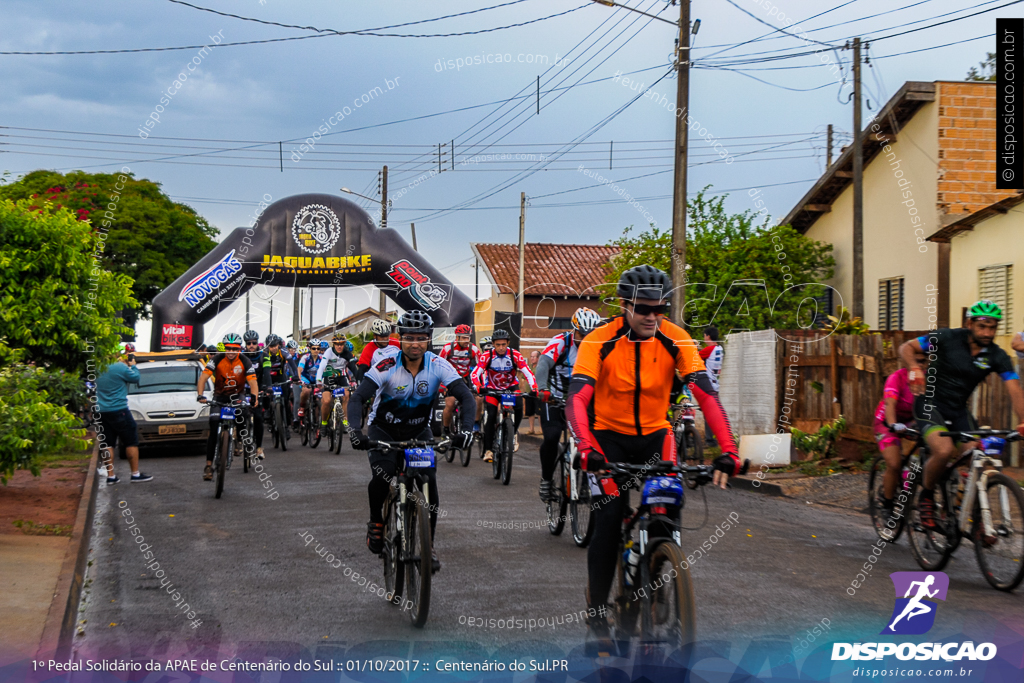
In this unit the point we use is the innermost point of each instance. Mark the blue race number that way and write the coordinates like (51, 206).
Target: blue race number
(420, 457)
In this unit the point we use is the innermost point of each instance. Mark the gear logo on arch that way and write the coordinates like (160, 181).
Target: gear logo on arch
(316, 228)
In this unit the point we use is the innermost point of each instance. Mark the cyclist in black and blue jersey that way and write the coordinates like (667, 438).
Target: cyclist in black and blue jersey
(958, 361)
(404, 389)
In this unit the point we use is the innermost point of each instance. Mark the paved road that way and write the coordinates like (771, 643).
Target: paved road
(241, 563)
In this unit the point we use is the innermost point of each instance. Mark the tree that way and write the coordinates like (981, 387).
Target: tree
(739, 276)
(985, 71)
(57, 303)
(150, 238)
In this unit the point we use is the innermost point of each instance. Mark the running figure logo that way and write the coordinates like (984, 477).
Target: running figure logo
(914, 612)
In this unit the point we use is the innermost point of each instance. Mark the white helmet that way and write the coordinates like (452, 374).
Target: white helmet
(381, 328)
(585, 320)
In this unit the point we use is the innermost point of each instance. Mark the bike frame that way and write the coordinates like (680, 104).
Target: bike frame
(978, 479)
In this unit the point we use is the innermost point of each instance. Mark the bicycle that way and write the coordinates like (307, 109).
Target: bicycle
(280, 427)
(227, 441)
(571, 491)
(503, 445)
(407, 552)
(910, 470)
(664, 612)
(689, 442)
(464, 453)
(310, 423)
(981, 504)
(335, 426)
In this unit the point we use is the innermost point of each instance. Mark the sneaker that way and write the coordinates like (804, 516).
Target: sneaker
(435, 564)
(926, 511)
(260, 454)
(488, 456)
(598, 641)
(208, 473)
(302, 413)
(545, 490)
(141, 476)
(375, 537)
(112, 480)
(515, 442)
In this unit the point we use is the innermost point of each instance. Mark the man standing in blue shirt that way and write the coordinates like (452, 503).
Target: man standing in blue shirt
(116, 421)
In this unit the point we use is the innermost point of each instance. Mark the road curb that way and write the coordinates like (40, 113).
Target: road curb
(758, 486)
(59, 629)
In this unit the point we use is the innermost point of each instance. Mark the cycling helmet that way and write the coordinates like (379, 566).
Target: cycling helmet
(985, 309)
(338, 336)
(324, 345)
(463, 329)
(412, 322)
(500, 334)
(232, 341)
(220, 347)
(303, 350)
(314, 343)
(644, 282)
(585, 320)
(381, 328)
(348, 345)
(485, 342)
(251, 335)
(129, 348)
(273, 339)
(211, 348)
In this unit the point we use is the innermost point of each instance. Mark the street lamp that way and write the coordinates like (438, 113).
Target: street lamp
(348, 191)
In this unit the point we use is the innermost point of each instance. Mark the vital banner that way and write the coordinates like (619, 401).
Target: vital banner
(300, 241)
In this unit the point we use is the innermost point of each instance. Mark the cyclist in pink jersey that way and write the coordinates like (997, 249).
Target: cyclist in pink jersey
(894, 412)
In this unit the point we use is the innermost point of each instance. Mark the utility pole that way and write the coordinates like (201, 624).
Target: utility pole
(413, 226)
(383, 224)
(335, 309)
(247, 326)
(858, 190)
(679, 189)
(522, 248)
(296, 303)
(828, 156)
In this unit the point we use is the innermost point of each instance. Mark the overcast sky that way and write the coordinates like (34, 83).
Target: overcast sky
(241, 100)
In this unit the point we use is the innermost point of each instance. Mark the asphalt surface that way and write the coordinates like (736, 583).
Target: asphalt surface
(242, 564)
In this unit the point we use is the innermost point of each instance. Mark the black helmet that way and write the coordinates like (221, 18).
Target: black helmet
(644, 282)
(499, 334)
(211, 348)
(251, 335)
(412, 322)
(272, 339)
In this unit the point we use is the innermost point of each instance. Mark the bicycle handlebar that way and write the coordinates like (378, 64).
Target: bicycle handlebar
(962, 437)
(400, 445)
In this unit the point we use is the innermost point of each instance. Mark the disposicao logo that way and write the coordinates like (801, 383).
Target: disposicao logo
(206, 282)
(914, 614)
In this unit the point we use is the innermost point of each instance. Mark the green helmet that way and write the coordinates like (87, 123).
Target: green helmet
(232, 340)
(985, 309)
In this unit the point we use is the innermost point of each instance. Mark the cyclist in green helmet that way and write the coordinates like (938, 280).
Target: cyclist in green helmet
(958, 361)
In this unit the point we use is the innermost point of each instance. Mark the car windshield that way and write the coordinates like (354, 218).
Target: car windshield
(165, 379)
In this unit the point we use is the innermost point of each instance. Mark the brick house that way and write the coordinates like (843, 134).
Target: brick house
(558, 279)
(929, 161)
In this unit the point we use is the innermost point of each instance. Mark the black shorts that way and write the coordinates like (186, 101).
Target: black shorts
(335, 381)
(529, 406)
(931, 417)
(117, 425)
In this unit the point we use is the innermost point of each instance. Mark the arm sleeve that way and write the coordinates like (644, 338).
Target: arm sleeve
(705, 352)
(1004, 366)
(366, 390)
(467, 404)
(581, 393)
(714, 413)
(479, 374)
(544, 365)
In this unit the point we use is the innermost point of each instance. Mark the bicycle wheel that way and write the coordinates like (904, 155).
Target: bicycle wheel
(304, 427)
(339, 434)
(221, 458)
(316, 431)
(466, 454)
(282, 429)
(499, 439)
(394, 568)
(1001, 555)
(931, 549)
(559, 489)
(331, 431)
(668, 617)
(878, 517)
(508, 448)
(695, 445)
(417, 555)
(581, 510)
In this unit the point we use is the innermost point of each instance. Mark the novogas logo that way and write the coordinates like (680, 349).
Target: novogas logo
(914, 612)
(209, 280)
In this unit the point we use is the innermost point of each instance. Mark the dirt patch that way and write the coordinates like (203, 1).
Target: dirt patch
(44, 505)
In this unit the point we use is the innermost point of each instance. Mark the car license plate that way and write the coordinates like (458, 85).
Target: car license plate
(419, 457)
(340, 391)
(276, 390)
(172, 429)
(227, 413)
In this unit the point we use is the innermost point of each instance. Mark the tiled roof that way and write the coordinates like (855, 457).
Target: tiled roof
(556, 269)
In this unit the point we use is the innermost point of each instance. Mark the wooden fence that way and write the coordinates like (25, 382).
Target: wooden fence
(845, 374)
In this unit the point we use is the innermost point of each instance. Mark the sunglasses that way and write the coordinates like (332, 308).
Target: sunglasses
(644, 310)
(415, 338)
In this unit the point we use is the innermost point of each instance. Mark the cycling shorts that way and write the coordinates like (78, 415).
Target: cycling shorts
(884, 437)
(931, 418)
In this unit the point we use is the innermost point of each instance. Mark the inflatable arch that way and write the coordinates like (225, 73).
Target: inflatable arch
(299, 241)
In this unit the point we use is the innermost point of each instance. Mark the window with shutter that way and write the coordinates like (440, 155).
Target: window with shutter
(890, 304)
(995, 283)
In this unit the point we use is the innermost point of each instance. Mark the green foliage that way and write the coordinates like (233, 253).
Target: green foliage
(31, 426)
(985, 71)
(151, 239)
(740, 275)
(56, 302)
(821, 444)
(846, 323)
